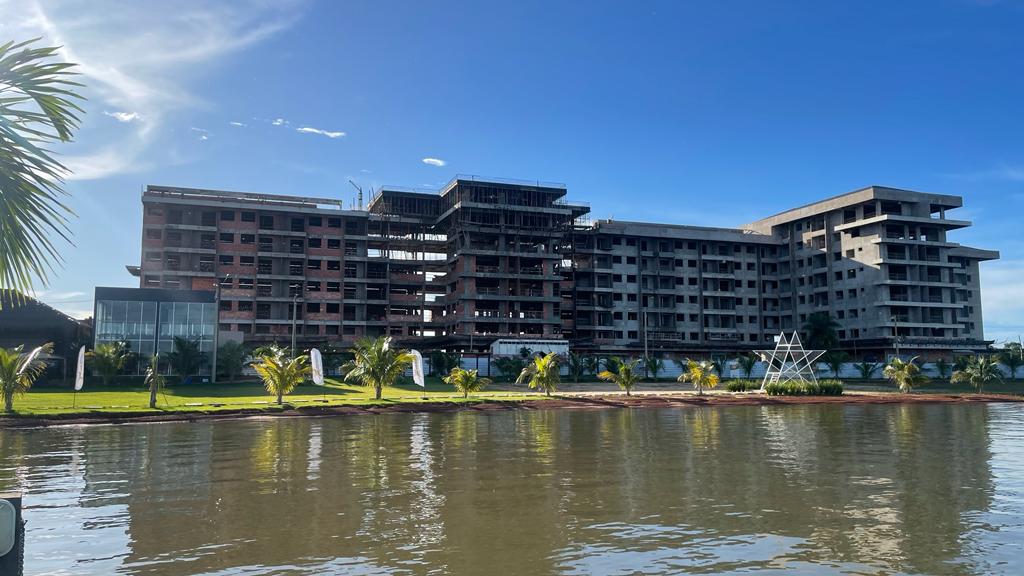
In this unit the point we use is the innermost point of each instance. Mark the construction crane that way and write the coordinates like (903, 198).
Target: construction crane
(360, 201)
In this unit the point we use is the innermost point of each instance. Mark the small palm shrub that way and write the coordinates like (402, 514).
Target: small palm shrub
(542, 373)
(742, 385)
(821, 388)
(466, 381)
(830, 387)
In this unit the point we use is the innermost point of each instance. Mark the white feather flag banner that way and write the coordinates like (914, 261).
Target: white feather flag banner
(316, 362)
(417, 369)
(80, 372)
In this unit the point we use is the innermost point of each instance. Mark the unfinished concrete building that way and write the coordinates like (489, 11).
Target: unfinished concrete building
(487, 258)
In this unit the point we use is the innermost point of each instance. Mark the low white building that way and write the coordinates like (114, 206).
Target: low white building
(512, 346)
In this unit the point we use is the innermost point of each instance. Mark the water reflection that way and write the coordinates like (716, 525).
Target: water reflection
(835, 489)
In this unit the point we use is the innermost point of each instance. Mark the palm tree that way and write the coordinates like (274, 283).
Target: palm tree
(866, 369)
(626, 376)
(592, 364)
(612, 364)
(834, 360)
(577, 366)
(19, 371)
(943, 367)
(746, 362)
(980, 370)
(154, 379)
(960, 362)
(36, 108)
(820, 330)
(542, 372)
(1011, 358)
(186, 358)
(375, 363)
(701, 374)
(654, 364)
(231, 359)
(442, 362)
(466, 381)
(108, 359)
(509, 366)
(279, 371)
(716, 365)
(905, 374)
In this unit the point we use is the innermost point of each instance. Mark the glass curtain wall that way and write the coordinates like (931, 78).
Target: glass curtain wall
(152, 326)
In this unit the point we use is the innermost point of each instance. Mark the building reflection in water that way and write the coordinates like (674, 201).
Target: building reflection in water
(863, 488)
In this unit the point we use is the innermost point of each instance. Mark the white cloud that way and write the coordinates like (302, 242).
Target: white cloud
(123, 116)
(238, 124)
(434, 161)
(328, 133)
(106, 161)
(56, 296)
(144, 77)
(204, 134)
(279, 122)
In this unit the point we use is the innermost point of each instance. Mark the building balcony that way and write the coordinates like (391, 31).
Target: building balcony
(406, 298)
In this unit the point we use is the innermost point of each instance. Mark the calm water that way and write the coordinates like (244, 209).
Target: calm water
(785, 490)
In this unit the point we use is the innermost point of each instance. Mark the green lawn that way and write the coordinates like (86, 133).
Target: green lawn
(121, 398)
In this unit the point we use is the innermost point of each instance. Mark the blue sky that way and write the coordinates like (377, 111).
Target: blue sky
(711, 113)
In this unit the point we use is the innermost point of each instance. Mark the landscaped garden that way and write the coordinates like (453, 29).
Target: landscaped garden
(374, 376)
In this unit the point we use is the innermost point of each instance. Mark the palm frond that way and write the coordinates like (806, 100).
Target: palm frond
(280, 372)
(18, 371)
(376, 364)
(37, 107)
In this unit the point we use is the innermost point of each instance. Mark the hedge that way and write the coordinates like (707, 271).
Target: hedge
(821, 388)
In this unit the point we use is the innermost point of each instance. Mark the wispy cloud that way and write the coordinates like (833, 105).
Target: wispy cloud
(204, 134)
(434, 161)
(238, 124)
(57, 296)
(123, 116)
(144, 78)
(279, 122)
(311, 130)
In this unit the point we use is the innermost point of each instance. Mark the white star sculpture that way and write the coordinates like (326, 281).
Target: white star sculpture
(789, 362)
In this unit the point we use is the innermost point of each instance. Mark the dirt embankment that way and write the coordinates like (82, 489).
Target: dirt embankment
(561, 402)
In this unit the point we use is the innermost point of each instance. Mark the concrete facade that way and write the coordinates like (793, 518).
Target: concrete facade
(487, 258)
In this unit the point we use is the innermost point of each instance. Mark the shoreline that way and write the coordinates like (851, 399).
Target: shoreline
(565, 401)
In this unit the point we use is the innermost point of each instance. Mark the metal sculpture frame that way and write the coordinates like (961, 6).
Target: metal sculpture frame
(789, 362)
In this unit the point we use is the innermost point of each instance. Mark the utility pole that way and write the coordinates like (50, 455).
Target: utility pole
(216, 328)
(645, 336)
(896, 334)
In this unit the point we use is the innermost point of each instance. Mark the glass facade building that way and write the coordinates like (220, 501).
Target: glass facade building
(149, 319)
